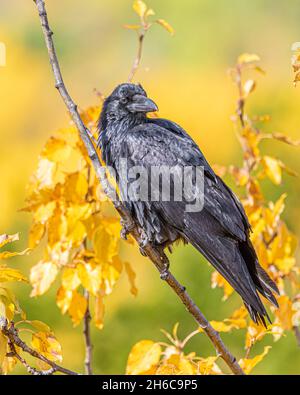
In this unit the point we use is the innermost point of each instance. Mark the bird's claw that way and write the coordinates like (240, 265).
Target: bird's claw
(165, 273)
(144, 240)
(126, 229)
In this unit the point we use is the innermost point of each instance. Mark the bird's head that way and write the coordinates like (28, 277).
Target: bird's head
(127, 101)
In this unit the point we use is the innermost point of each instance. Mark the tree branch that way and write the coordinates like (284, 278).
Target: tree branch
(138, 57)
(87, 336)
(12, 334)
(159, 259)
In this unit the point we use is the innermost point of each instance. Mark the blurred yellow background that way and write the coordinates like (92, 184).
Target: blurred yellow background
(186, 76)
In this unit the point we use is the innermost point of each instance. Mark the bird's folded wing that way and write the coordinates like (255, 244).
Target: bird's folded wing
(153, 145)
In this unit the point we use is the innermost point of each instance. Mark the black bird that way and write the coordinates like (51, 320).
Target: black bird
(220, 231)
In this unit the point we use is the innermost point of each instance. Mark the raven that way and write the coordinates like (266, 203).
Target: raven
(220, 231)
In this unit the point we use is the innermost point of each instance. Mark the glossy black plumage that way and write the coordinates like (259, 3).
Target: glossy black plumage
(220, 231)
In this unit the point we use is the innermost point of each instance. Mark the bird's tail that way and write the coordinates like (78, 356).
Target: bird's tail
(262, 281)
(246, 276)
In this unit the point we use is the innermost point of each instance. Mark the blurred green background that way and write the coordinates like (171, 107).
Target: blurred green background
(186, 76)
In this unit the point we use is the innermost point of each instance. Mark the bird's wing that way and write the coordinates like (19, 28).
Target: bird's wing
(220, 227)
(152, 144)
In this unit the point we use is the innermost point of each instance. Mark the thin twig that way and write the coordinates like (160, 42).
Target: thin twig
(87, 336)
(137, 60)
(29, 368)
(241, 101)
(157, 257)
(189, 337)
(12, 334)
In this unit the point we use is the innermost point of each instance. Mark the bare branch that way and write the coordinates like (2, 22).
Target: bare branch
(137, 60)
(87, 336)
(12, 334)
(157, 257)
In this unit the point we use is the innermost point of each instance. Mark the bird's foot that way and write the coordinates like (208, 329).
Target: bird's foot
(164, 274)
(127, 227)
(166, 266)
(144, 239)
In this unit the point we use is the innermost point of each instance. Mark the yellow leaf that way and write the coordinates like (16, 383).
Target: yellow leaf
(44, 212)
(241, 175)
(248, 364)
(176, 364)
(273, 169)
(219, 170)
(36, 234)
(99, 311)
(110, 274)
(76, 188)
(42, 365)
(42, 276)
(285, 312)
(166, 26)
(11, 304)
(236, 321)
(165, 369)
(77, 308)
(208, 366)
(47, 345)
(250, 140)
(131, 276)
(70, 279)
(8, 364)
(297, 78)
(140, 8)
(143, 356)
(218, 280)
(40, 326)
(45, 173)
(276, 209)
(132, 27)
(8, 274)
(7, 309)
(3, 348)
(255, 333)
(285, 139)
(149, 12)
(57, 227)
(76, 215)
(285, 264)
(64, 299)
(90, 276)
(249, 87)
(4, 239)
(106, 240)
(8, 254)
(248, 58)
(56, 150)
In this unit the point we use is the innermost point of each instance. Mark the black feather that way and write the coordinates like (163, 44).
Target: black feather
(220, 231)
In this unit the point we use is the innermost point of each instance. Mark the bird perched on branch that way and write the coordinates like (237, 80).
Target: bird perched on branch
(220, 230)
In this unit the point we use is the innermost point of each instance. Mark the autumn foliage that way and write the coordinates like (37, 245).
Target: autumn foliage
(72, 222)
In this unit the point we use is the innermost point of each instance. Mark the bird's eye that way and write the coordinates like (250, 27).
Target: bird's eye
(123, 100)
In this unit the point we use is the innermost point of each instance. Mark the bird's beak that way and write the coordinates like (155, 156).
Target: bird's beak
(142, 103)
